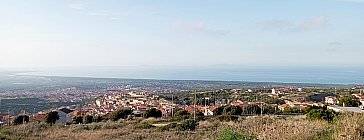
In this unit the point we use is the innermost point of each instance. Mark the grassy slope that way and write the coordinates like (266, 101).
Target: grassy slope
(269, 127)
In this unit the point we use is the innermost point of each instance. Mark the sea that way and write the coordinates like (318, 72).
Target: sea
(282, 74)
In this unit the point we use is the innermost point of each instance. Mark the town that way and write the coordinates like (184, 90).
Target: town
(203, 103)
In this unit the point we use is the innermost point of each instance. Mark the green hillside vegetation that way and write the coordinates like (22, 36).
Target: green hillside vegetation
(342, 126)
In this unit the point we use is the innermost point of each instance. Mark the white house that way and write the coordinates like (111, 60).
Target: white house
(330, 99)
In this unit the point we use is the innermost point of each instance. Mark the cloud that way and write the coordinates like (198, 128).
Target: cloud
(76, 6)
(313, 23)
(286, 25)
(198, 27)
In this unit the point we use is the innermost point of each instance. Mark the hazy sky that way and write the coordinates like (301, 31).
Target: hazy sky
(49, 33)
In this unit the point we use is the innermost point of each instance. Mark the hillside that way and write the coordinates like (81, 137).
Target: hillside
(347, 126)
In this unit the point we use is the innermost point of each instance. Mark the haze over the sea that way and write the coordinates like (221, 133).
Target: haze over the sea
(328, 75)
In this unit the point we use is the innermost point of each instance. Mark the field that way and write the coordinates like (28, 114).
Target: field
(347, 126)
(31, 105)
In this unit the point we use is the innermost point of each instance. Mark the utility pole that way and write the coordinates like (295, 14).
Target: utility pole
(261, 105)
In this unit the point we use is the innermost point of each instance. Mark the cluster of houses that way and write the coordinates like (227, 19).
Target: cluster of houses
(140, 102)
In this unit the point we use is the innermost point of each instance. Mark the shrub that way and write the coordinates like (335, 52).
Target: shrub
(291, 110)
(227, 118)
(348, 101)
(77, 119)
(252, 109)
(75, 128)
(180, 113)
(51, 117)
(120, 114)
(21, 119)
(97, 119)
(323, 114)
(111, 125)
(187, 125)
(153, 113)
(168, 127)
(87, 119)
(228, 134)
(233, 110)
(144, 125)
(219, 111)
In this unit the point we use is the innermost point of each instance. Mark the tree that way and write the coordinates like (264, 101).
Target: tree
(348, 101)
(232, 110)
(219, 111)
(120, 114)
(267, 109)
(97, 119)
(87, 119)
(323, 114)
(292, 110)
(77, 119)
(181, 113)
(153, 113)
(51, 117)
(252, 109)
(309, 108)
(21, 119)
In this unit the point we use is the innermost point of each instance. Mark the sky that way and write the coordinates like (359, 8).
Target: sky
(69, 33)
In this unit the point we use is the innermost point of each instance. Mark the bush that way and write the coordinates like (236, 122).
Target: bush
(144, 125)
(252, 109)
(291, 110)
(348, 101)
(180, 113)
(87, 119)
(21, 119)
(153, 113)
(77, 119)
(112, 125)
(228, 134)
(187, 125)
(97, 119)
(120, 114)
(323, 114)
(227, 118)
(51, 117)
(168, 127)
(232, 110)
(75, 128)
(219, 111)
